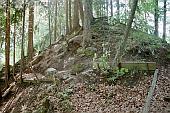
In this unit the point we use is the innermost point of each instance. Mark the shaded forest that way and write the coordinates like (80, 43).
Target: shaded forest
(84, 56)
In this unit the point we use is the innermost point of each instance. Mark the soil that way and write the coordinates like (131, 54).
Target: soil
(90, 91)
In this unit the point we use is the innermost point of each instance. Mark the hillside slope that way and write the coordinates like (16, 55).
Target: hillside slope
(80, 88)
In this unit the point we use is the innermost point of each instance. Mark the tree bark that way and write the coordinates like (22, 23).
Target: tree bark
(49, 21)
(81, 11)
(7, 45)
(164, 22)
(125, 37)
(14, 45)
(87, 20)
(118, 9)
(30, 32)
(111, 6)
(156, 18)
(55, 22)
(76, 15)
(70, 20)
(67, 28)
(22, 44)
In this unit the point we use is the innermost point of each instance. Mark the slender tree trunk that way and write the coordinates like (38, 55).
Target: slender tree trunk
(118, 9)
(70, 20)
(67, 28)
(14, 46)
(22, 44)
(76, 15)
(164, 23)
(30, 33)
(111, 6)
(7, 45)
(156, 18)
(125, 37)
(49, 20)
(81, 11)
(107, 6)
(55, 21)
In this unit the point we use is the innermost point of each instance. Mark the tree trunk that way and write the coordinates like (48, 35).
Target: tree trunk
(87, 20)
(156, 18)
(7, 45)
(125, 37)
(70, 20)
(76, 15)
(111, 6)
(55, 22)
(81, 11)
(22, 44)
(164, 23)
(14, 45)
(49, 20)
(107, 10)
(67, 28)
(90, 9)
(30, 32)
(118, 9)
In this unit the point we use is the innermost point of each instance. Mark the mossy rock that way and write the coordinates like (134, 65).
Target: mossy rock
(90, 51)
(80, 51)
(78, 68)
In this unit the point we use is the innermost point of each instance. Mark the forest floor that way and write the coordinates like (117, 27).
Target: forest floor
(80, 88)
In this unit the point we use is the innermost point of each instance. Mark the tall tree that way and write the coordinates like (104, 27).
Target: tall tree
(22, 43)
(30, 31)
(80, 5)
(156, 18)
(111, 7)
(107, 7)
(7, 41)
(14, 35)
(49, 20)
(55, 21)
(67, 28)
(118, 9)
(90, 11)
(87, 20)
(76, 15)
(164, 22)
(125, 36)
(70, 20)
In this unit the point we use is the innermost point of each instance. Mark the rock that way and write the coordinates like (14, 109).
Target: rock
(78, 68)
(90, 51)
(80, 51)
(50, 72)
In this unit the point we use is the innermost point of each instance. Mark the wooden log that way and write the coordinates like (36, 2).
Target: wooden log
(35, 81)
(148, 100)
(150, 66)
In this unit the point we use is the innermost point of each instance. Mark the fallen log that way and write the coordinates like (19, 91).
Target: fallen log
(149, 66)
